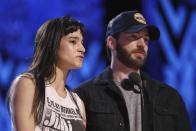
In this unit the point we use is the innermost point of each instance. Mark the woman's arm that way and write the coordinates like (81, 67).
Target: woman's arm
(21, 101)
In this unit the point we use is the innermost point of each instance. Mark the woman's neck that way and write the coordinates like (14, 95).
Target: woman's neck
(58, 81)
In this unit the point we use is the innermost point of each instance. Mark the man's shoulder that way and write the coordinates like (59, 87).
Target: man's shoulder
(166, 89)
(87, 83)
(87, 86)
(87, 89)
(100, 79)
(166, 86)
(162, 87)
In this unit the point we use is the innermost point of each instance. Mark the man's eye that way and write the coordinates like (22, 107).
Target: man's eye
(134, 37)
(146, 39)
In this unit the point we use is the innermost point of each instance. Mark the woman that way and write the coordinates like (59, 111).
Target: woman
(39, 99)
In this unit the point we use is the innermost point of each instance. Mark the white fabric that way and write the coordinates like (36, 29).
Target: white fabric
(61, 113)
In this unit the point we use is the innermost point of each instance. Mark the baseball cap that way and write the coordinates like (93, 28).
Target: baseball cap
(131, 21)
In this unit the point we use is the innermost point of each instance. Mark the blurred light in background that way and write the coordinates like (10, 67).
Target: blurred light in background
(177, 48)
(173, 57)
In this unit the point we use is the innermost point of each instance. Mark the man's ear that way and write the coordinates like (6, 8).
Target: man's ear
(111, 42)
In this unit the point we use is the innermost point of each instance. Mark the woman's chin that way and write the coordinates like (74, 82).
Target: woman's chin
(77, 66)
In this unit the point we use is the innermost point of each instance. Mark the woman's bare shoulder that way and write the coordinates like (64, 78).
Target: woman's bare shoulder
(22, 87)
(24, 82)
(21, 101)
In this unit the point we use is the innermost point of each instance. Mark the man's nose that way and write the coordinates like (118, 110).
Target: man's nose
(141, 42)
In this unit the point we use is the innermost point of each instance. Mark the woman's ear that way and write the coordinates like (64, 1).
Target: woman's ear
(111, 42)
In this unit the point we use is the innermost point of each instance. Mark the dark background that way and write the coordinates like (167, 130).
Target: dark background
(171, 59)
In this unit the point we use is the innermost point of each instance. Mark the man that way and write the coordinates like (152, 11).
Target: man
(123, 98)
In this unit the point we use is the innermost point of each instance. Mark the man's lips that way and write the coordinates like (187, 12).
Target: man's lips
(140, 52)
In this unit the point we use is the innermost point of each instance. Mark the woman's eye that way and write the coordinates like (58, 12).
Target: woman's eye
(82, 42)
(73, 42)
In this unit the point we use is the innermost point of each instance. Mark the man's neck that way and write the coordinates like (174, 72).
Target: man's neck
(120, 71)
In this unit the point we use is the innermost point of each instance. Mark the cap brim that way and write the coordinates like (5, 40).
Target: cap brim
(153, 31)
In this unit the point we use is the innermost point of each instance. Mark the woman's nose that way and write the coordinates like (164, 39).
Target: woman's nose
(81, 48)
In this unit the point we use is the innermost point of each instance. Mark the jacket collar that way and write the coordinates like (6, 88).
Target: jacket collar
(106, 79)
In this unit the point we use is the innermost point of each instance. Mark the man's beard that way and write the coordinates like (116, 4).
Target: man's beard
(126, 58)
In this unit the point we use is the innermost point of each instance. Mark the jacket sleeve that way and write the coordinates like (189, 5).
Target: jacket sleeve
(183, 123)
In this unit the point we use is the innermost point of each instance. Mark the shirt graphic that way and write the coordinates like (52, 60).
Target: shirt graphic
(60, 114)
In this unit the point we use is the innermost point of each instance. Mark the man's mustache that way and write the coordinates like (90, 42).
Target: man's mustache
(142, 51)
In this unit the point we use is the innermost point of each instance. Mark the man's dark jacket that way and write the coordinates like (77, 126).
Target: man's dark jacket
(163, 110)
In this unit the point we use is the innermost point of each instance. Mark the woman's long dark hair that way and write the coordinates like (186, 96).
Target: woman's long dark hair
(47, 42)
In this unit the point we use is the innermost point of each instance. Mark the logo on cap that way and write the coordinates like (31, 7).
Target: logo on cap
(139, 17)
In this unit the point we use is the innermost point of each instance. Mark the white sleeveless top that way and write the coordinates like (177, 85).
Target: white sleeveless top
(61, 113)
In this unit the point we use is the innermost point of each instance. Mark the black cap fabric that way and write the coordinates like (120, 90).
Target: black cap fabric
(131, 21)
